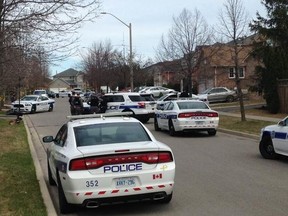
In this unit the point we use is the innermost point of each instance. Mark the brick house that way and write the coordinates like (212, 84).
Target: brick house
(165, 73)
(213, 66)
(216, 66)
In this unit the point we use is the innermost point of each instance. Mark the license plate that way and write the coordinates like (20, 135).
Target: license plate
(125, 182)
(199, 122)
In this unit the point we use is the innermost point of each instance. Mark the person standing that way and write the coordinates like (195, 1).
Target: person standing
(93, 101)
(76, 105)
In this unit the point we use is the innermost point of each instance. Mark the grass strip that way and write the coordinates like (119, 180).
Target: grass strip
(19, 188)
(249, 126)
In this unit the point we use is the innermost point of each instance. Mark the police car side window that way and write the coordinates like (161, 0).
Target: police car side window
(116, 98)
(61, 136)
(170, 106)
(286, 122)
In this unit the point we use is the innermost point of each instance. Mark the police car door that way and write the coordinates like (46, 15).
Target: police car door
(44, 103)
(280, 137)
(167, 114)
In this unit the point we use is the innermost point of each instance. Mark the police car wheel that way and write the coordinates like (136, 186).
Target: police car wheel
(266, 148)
(212, 132)
(33, 109)
(171, 129)
(51, 180)
(50, 108)
(145, 119)
(156, 126)
(64, 206)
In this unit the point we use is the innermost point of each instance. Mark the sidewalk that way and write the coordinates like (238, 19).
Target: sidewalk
(263, 118)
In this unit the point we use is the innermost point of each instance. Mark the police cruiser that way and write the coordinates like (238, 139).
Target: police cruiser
(128, 102)
(274, 140)
(99, 159)
(186, 116)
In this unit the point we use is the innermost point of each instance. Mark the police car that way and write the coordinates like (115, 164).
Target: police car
(186, 116)
(128, 102)
(32, 104)
(99, 159)
(274, 140)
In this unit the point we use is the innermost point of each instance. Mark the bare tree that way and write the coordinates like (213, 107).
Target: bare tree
(233, 25)
(101, 65)
(188, 31)
(36, 25)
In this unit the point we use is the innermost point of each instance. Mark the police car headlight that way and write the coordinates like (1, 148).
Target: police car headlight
(28, 104)
(261, 131)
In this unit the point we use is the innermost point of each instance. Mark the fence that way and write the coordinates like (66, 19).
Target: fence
(283, 95)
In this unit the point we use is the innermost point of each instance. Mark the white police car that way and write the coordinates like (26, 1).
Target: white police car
(185, 116)
(274, 140)
(99, 159)
(32, 104)
(128, 102)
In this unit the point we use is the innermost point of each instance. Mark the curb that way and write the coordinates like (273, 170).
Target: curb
(251, 136)
(40, 176)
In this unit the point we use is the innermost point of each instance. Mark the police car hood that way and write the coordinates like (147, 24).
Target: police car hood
(23, 102)
(271, 127)
(127, 147)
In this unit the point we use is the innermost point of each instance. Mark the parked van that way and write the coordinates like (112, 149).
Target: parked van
(40, 92)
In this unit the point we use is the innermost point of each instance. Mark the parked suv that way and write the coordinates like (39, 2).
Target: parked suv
(150, 103)
(218, 94)
(127, 101)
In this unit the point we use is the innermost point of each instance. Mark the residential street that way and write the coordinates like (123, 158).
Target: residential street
(221, 175)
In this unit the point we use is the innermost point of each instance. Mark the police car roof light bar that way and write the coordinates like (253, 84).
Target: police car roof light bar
(101, 115)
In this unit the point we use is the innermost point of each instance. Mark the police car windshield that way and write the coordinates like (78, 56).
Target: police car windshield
(192, 105)
(110, 133)
(29, 98)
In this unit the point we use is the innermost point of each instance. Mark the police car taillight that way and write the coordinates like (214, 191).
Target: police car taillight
(97, 162)
(141, 105)
(193, 114)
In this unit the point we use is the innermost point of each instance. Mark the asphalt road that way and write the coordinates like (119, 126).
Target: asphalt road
(221, 175)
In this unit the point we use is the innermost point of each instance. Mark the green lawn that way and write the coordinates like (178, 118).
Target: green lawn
(19, 188)
(249, 126)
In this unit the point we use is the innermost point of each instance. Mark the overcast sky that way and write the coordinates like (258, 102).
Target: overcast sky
(150, 19)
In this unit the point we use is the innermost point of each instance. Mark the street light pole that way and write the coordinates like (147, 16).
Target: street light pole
(130, 44)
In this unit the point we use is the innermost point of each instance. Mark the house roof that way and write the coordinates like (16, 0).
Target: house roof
(59, 80)
(171, 66)
(67, 73)
(221, 55)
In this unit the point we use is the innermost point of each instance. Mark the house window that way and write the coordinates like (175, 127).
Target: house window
(232, 72)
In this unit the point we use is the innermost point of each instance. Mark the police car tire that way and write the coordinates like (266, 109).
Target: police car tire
(144, 119)
(212, 132)
(156, 126)
(266, 148)
(33, 109)
(64, 206)
(172, 131)
(50, 108)
(50, 179)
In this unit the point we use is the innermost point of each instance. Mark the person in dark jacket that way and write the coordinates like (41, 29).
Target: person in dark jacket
(76, 105)
(103, 103)
(94, 101)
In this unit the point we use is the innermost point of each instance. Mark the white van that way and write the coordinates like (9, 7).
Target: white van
(40, 92)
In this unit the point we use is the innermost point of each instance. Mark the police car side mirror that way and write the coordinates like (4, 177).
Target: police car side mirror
(47, 139)
(281, 123)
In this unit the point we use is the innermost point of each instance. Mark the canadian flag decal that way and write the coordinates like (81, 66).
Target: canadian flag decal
(157, 176)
